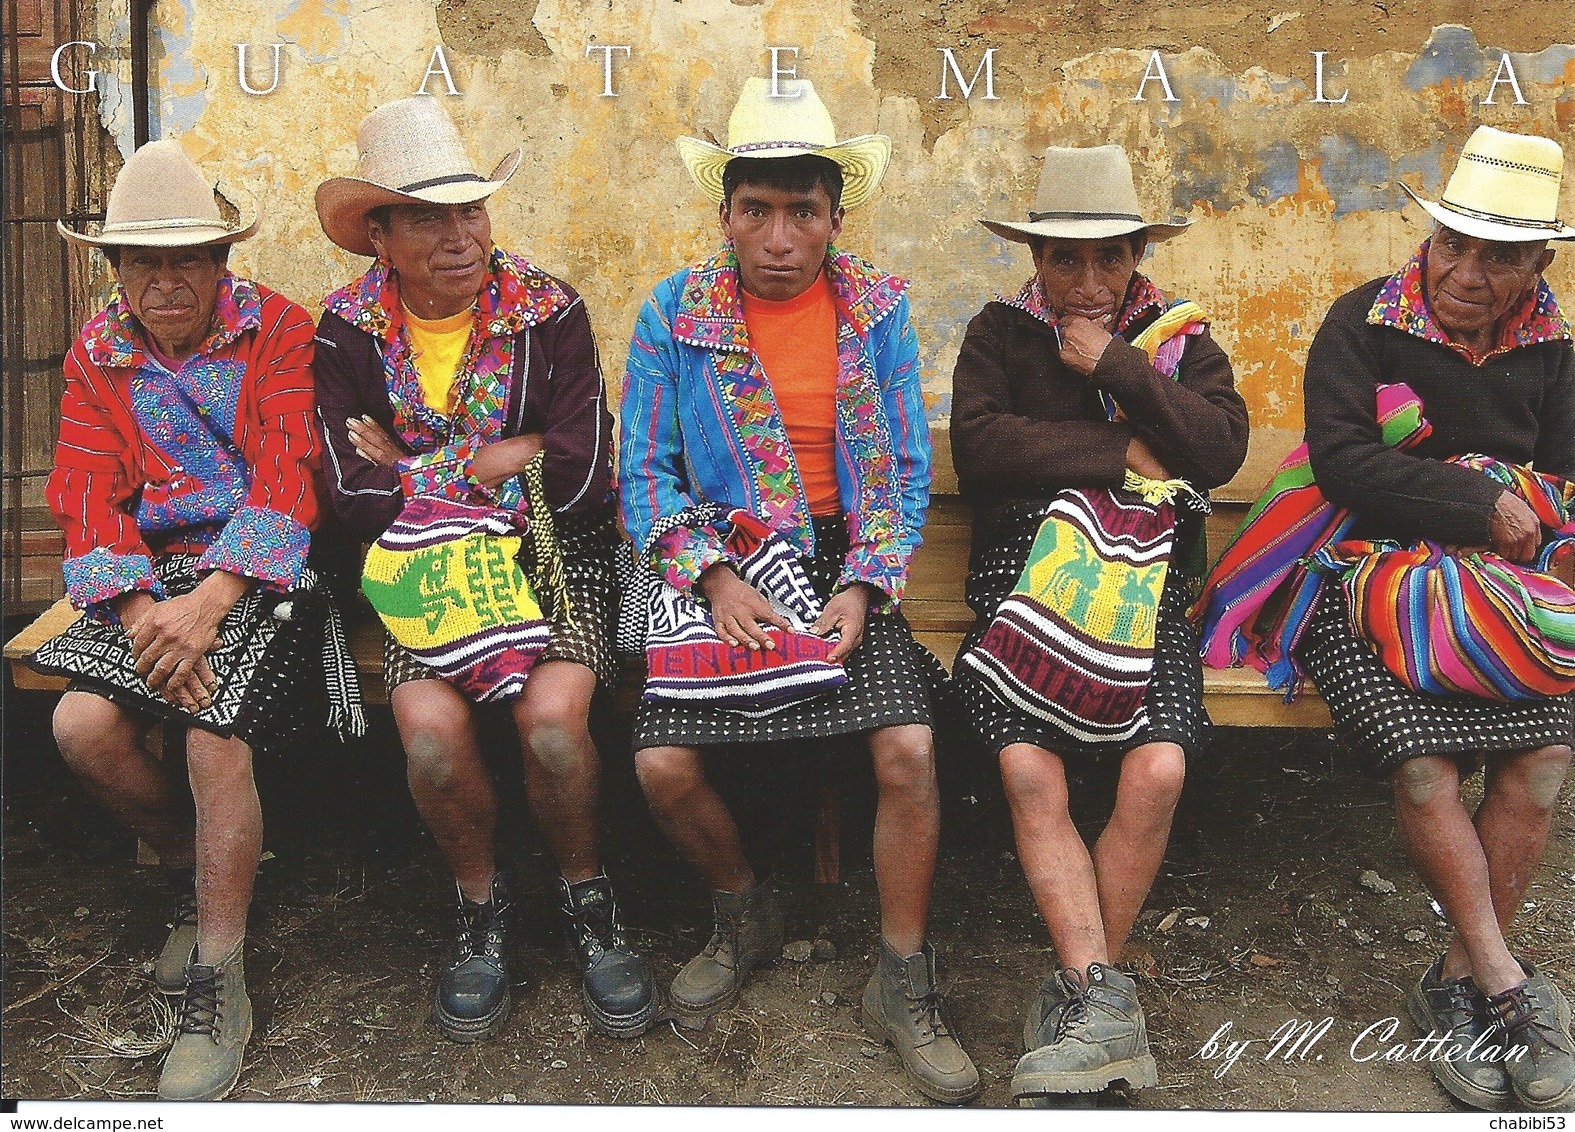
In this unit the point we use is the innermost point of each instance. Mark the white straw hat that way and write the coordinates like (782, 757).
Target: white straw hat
(1085, 194)
(160, 199)
(789, 124)
(410, 152)
(1505, 187)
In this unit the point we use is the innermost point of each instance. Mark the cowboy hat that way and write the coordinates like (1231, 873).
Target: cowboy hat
(160, 199)
(1085, 194)
(791, 123)
(1505, 187)
(410, 153)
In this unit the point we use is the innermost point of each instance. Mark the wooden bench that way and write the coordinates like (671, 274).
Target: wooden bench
(934, 607)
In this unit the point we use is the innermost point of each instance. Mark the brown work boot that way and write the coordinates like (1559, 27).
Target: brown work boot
(1540, 1055)
(210, 1037)
(169, 969)
(903, 1007)
(748, 935)
(1102, 1038)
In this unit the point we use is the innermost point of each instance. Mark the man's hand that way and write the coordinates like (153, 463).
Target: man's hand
(845, 613)
(738, 610)
(1514, 531)
(1141, 459)
(372, 443)
(1083, 342)
(503, 459)
(170, 640)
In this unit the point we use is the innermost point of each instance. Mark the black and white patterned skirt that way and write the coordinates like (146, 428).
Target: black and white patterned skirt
(1385, 723)
(282, 663)
(891, 679)
(1174, 701)
(588, 543)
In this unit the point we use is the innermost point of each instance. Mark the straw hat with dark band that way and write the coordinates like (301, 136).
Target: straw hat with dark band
(791, 123)
(161, 200)
(1085, 194)
(410, 153)
(1505, 187)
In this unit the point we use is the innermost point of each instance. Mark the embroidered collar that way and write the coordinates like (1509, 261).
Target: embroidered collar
(711, 309)
(1402, 305)
(1141, 298)
(114, 337)
(517, 294)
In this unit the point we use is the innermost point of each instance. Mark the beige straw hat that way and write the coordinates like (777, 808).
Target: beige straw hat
(792, 123)
(1505, 187)
(410, 152)
(160, 199)
(1085, 194)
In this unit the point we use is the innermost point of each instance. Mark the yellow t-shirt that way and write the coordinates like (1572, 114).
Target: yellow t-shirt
(439, 346)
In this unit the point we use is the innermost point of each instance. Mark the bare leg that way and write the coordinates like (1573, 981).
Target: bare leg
(562, 769)
(693, 816)
(449, 782)
(1512, 824)
(229, 839)
(1444, 848)
(1056, 863)
(103, 744)
(1128, 853)
(907, 828)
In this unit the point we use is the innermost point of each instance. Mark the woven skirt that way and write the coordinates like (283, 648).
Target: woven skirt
(588, 543)
(891, 680)
(1385, 723)
(280, 677)
(1174, 701)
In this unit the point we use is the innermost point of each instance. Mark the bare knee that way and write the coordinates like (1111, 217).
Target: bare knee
(556, 738)
(904, 758)
(434, 728)
(1154, 773)
(1425, 783)
(92, 733)
(667, 775)
(1032, 778)
(216, 764)
(1532, 778)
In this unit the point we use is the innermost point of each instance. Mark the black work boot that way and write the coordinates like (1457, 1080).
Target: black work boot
(748, 935)
(616, 984)
(211, 1035)
(1540, 1055)
(169, 969)
(1457, 1008)
(902, 1007)
(472, 1000)
(1102, 1038)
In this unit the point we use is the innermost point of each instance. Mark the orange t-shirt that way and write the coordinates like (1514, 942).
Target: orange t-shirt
(796, 343)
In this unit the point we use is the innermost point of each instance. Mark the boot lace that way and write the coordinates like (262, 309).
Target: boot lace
(480, 933)
(185, 909)
(1523, 1020)
(199, 1009)
(597, 930)
(1074, 1011)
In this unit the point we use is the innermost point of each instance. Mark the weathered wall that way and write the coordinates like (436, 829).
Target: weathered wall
(1293, 202)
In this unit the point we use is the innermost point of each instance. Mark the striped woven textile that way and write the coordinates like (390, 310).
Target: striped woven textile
(687, 662)
(1074, 641)
(1258, 597)
(446, 582)
(1476, 624)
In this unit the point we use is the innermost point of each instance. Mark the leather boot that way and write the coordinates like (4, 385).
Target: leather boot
(617, 984)
(169, 969)
(748, 935)
(473, 999)
(1456, 1007)
(1044, 1013)
(1102, 1039)
(1540, 1055)
(210, 1037)
(902, 1007)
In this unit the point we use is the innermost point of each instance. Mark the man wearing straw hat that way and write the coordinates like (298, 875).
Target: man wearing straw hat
(780, 377)
(184, 483)
(455, 371)
(1472, 329)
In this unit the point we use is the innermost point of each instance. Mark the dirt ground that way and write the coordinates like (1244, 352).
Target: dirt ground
(1259, 918)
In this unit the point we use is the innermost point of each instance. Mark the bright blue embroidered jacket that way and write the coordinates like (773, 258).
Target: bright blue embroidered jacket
(700, 424)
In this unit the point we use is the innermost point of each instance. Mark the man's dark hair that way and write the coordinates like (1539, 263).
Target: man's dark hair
(1138, 240)
(219, 252)
(790, 174)
(382, 216)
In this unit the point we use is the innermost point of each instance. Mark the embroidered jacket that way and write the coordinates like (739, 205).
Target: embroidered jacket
(1517, 404)
(530, 366)
(217, 459)
(700, 424)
